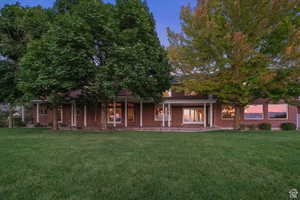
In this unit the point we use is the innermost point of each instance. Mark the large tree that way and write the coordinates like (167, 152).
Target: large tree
(136, 61)
(60, 62)
(18, 26)
(238, 50)
(139, 60)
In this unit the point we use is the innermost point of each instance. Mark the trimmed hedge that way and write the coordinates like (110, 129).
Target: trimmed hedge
(288, 126)
(265, 126)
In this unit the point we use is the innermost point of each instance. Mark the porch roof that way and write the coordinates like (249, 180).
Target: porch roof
(189, 101)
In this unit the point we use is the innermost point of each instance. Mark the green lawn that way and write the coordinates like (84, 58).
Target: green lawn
(38, 164)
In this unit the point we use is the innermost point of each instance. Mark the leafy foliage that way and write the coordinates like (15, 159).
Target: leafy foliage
(265, 126)
(239, 50)
(288, 126)
(136, 61)
(60, 62)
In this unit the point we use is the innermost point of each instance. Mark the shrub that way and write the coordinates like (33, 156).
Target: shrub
(50, 124)
(2, 123)
(288, 126)
(265, 126)
(17, 121)
(38, 125)
(251, 127)
(243, 127)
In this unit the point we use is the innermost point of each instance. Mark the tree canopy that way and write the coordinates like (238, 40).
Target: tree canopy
(87, 45)
(137, 61)
(239, 50)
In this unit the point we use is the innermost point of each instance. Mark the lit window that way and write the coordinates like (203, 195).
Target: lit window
(60, 114)
(190, 93)
(254, 112)
(43, 110)
(193, 115)
(278, 111)
(131, 112)
(110, 113)
(158, 113)
(167, 93)
(228, 112)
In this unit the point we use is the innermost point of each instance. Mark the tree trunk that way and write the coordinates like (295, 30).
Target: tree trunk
(237, 118)
(10, 116)
(103, 116)
(54, 119)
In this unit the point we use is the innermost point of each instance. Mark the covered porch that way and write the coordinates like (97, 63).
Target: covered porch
(127, 112)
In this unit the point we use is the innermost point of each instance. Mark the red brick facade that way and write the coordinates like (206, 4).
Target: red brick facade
(93, 114)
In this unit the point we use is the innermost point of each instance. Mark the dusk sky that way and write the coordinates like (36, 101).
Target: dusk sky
(166, 12)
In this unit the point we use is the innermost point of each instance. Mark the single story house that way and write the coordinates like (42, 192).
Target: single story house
(177, 110)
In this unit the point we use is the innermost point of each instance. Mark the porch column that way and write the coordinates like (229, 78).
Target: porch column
(85, 117)
(126, 112)
(141, 113)
(211, 115)
(205, 115)
(169, 113)
(72, 113)
(23, 113)
(62, 113)
(115, 113)
(163, 120)
(75, 114)
(37, 113)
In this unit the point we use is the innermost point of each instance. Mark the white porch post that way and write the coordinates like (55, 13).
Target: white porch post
(169, 114)
(211, 115)
(163, 120)
(23, 113)
(72, 113)
(75, 114)
(205, 115)
(141, 113)
(37, 113)
(115, 113)
(126, 112)
(62, 114)
(85, 116)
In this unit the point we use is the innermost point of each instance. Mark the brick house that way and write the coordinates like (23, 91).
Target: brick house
(177, 110)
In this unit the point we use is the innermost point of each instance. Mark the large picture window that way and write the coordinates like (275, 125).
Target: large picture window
(193, 115)
(253, 112)
(278, 111)
(228, 112)
(110, 113)
(158, 113)
(60, 114)
(131, 115)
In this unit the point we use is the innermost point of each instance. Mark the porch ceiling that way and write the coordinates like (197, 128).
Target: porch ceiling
(189, 101)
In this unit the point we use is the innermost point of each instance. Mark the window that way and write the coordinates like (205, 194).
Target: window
(193, 115)
(167, 93)
(190, 93)
(130, 111)
(110, 113)
(60, 114)
(43, 110)
(158, 113)
(278, 111)
(228, 112)
(253, 112)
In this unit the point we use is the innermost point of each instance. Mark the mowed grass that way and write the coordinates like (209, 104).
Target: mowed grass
(38, 164)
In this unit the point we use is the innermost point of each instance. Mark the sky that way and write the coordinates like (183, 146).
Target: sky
(166, 12)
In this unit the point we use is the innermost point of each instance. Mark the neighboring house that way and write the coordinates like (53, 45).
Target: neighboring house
(178, 109)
